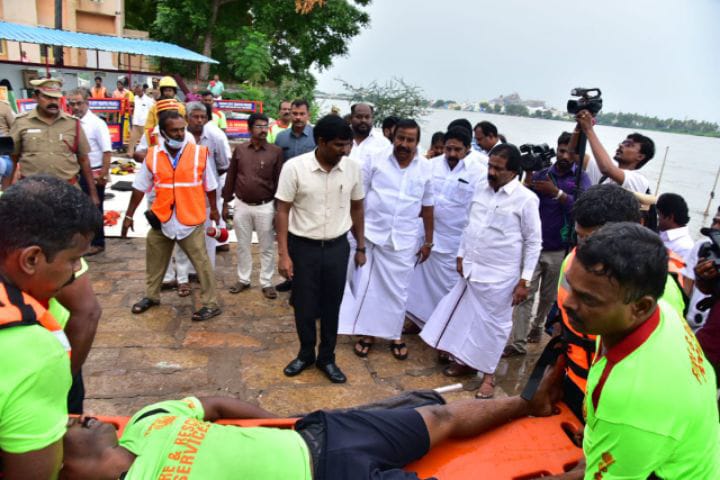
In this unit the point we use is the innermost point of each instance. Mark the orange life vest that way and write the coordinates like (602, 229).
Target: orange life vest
(181, 187)
(581, 347)
(20, 309)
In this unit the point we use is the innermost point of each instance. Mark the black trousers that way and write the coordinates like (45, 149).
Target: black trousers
(320, 269)
(76, 395)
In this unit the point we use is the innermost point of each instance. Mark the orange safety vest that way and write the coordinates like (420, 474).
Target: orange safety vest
(581, 347)
(181, 187)
(20, 309)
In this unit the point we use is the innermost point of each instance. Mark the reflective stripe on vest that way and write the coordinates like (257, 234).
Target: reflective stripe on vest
(19, 309)
(179, 188)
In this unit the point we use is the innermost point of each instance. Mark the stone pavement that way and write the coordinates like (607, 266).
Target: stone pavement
(161, 354)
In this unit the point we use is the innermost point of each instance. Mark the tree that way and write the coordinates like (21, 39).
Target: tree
(395, 97)
(280, 42)
(517, 110)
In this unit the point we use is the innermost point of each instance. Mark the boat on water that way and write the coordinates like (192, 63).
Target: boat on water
(523, 449)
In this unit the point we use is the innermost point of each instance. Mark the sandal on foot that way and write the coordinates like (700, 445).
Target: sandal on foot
(184, 289)
(169, 285)
(444, 358)
(144, 305)
(364, 348)
(487, 390)
(205, 313)
(239, 287)
(397, 348)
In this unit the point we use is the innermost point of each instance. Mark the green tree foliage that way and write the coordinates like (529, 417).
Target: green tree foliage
(517, 110)
(254, 40)
(395, 97)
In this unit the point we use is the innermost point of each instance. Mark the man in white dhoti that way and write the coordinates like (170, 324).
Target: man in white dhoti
(497, 255)
(454, 180)
(398, 189)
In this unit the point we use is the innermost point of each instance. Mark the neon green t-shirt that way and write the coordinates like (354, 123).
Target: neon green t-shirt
(171, 441)
(275, 128)
(219, 119)
(62, 314)
(34, 383)
(656, 409)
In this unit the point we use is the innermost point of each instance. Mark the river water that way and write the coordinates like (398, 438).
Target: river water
(690, 170)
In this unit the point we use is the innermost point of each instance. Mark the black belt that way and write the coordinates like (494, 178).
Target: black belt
(257, 204)
(322, 243)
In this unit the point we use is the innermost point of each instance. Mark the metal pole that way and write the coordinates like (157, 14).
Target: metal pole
(662, 169)
(58, 49)
(712, 194)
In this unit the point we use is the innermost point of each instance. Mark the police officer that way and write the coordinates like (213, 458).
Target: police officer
(48, 140)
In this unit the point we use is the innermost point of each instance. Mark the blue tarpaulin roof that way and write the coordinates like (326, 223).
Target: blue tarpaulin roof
(49, 36)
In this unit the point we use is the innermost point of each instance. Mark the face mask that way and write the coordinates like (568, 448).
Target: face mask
(172, 143)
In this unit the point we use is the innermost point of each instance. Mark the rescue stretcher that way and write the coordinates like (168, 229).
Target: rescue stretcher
(524, 449)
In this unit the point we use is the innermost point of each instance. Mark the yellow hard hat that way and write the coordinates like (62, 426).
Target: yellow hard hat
(167, 82)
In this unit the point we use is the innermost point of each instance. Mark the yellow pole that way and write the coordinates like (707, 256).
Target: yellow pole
(712, 195)
(662, 169)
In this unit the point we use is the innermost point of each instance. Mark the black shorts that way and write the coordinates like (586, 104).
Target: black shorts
(361, 445)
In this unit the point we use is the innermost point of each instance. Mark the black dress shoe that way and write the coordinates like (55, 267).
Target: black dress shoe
(285, 286)
(333, 373)
(297, 366)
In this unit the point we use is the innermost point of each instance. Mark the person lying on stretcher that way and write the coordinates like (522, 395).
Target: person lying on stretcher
(176, 439)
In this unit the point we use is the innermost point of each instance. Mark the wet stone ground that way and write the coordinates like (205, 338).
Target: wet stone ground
(161, 354)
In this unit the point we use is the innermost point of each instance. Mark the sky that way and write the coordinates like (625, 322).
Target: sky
(653, 57)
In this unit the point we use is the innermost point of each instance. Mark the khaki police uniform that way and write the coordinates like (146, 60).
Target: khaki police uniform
(7, 117)
(51, 148)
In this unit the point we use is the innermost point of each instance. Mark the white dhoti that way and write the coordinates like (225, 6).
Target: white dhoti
(376, 293)
(473, 323)
(429, 283)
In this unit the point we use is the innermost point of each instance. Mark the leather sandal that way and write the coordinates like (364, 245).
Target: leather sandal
(206, 313)
(239, 287)
(184, 289)
(396, 349)
(144, 304)
(364, 349)
(486, 392)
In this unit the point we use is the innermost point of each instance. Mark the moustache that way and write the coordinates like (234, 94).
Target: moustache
(491, 178)
(52, 105)
(572, 315)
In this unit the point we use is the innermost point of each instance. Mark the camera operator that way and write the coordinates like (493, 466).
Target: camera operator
(632, 154)
(696, 318)
(707, 278)
(556, 187)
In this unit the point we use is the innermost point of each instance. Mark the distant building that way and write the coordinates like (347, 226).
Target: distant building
(105, 17)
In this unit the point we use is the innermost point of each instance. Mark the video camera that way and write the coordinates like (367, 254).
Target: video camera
(589, 100)
(711, 251)
(535, 157)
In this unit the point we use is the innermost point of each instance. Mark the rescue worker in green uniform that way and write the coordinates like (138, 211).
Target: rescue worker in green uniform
(47, 226)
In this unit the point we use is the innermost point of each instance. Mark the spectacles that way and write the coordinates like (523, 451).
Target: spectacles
(261, 127)
(73, 104)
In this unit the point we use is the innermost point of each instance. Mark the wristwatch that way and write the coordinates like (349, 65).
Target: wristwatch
(559, 194)
(428, 244)
(525, 283)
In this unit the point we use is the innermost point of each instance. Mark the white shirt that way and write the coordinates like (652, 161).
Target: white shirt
(144, 182)
(320, 200)
(678, 240)
(695, 317)
(394, 198)
(141, 108)
(98, 135)
(503, 237)
(477, 157)
(634, 180)
(372, 145)
(218, 146)
(453, 191)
